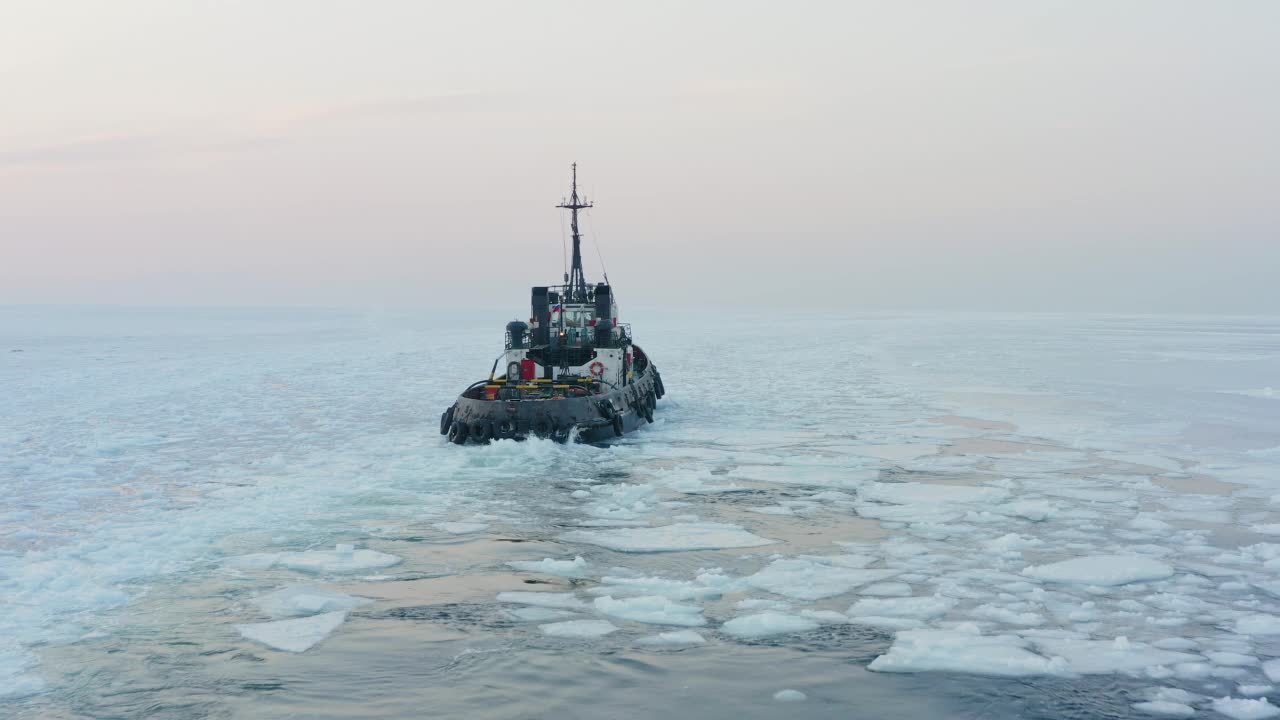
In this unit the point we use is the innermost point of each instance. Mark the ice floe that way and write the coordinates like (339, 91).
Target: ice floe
(670, 538)
(675, 638)
(298, 600)
(790, 696)
(1245, 708)
(297, 635)
(563, 601)
(813, 578)
(342, 559)
(578, 628)
(965, 650)
(766, 624)
(652, 609)
(574, 569)
(1103, 570)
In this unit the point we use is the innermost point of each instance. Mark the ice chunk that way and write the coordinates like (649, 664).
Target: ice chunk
(298, 600)
(963, 650)
(1258, 624)
(1245, 709)
(886, 589)
(669, 538)
(825, 617)
(912, 493)
(767, 623)
(1231, 659)
(790, 696)
(1095, 657)
(1254, 690)
(298, 635)
(1165, 708)
(539, 614)
(578, 628)
(921, 608)
(708, 585)
(563, 601)
(1103, 570)
(676, 638)
(342, 559)
(574, 569)
(812, 578)
(652, 609)
(461, 528)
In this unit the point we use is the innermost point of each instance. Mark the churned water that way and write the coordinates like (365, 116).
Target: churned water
(250, 513)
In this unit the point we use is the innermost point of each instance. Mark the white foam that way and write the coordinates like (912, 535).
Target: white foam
(578, 628)
(574, 569)
(670, 538)
(1104, 570)
(297, 635)
(675, 638)
(1245, 709)
(652, 609)
(812, 578)
(767, 623)
(297, 600)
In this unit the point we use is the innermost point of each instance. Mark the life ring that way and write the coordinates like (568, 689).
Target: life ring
(482, 430)
(446, 419)
(458, 432)
(597, 368)
(505, 430)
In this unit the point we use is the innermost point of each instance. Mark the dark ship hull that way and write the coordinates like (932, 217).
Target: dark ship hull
(572, 372)
(591, 418)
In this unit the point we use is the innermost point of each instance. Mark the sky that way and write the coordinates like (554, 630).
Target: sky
(1026, 156)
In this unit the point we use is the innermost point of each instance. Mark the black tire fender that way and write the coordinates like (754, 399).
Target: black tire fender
(481, 430)
(505, 429)
(616, 421)
(542, 426)
(458, 432)
(446, 420)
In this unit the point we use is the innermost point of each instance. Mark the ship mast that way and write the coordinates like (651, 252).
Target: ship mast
(577, 288)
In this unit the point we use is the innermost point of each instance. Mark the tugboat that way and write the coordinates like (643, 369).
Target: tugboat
(571, 372)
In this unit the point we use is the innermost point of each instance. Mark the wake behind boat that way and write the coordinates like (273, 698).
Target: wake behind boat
(572, 371)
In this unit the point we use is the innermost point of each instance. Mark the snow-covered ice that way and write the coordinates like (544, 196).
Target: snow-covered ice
(298, 600)
(652, 609)
(575, 568)
(1245, 708)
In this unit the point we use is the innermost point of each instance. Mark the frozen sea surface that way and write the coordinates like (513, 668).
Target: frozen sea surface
(249, 513)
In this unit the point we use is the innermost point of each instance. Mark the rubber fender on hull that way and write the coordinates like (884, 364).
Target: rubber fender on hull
(481, 431)
(446, 420)
(606, 409)
(542, 426)
(458, 432)
(646, 409)
(658, 387)
(561, 435)
(617, 425)
(505, 429)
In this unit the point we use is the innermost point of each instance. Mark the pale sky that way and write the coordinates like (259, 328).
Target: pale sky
(1021, 155)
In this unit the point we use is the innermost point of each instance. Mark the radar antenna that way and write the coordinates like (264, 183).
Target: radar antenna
(577, 289)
